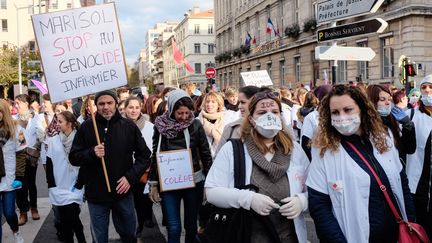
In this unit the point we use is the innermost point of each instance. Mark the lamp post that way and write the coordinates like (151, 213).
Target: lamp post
(18, 42)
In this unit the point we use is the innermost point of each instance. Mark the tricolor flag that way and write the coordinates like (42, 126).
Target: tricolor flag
(254, 41)
(179, 59)
(248, 39)
(270, 26)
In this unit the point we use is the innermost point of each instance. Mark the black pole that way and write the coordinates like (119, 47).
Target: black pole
(334, 68)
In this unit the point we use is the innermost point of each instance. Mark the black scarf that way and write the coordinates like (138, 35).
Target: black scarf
(230, 106)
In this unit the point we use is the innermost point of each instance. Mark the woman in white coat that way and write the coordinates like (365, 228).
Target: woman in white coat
(419, 164)
(275, 164)
(8, 184)
(64, 185)
(345, 200)
(143, 204)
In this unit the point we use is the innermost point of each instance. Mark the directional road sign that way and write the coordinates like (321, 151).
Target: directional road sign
(354, 29)
(344, 53)
(334, 10)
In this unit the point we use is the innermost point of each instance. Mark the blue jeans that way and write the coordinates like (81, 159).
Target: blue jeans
(192, 199)
(7, 207)
(123, 215)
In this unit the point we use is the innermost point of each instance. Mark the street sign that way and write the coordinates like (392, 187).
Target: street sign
(344, 53)
(210, 72)
(334, 10)
(355, 29)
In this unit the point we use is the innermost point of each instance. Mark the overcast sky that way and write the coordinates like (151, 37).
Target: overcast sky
(137, 16)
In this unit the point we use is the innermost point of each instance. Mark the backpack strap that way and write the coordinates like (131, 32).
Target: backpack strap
(239, 163)
(412, 114)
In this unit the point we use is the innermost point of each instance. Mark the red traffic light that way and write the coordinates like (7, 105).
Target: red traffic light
(410, 70)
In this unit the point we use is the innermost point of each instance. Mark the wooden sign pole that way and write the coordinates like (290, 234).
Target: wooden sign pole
(98, 142)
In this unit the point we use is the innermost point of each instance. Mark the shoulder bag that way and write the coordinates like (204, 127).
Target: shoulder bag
(409, 232)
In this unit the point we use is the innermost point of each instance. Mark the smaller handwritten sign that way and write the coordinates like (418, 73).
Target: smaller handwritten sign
(256, 78)
(175, 170)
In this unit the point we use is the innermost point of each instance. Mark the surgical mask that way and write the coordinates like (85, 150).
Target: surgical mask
(346, 125)
(427, 100)
(413, 100)
(268, 125)
(384, 110)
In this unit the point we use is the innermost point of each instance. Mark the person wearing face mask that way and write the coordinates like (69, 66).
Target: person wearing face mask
(419, 164)
(345, 200)
(275, 164)
(413, 98)
(394, 119)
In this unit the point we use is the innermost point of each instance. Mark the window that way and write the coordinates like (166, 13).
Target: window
(269, 69)
(54, 6)
(210, 29)
(342, 73)
(4, 25)
(258, 27)
(32, 46)
(297, 10)
(282, 72)
(197, 48)
(387, 57)
(197, 29)
(297, 68)
(258, 67)
(69, 5)
(210, 48)
(362, 67)
(197, 67)
(3, 4)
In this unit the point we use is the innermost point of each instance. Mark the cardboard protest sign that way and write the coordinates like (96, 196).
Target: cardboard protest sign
(175, 170)
(81, 51)
(256, 78)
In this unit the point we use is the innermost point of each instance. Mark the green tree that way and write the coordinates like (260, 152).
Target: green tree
(9, 66)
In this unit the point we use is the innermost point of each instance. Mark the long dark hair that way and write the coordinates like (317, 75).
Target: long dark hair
(70, 117)
(373, 94)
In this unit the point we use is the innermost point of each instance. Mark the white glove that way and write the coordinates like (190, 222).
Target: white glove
(262, 204)
(292, 207)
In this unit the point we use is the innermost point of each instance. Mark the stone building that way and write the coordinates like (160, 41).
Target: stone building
(290, 57)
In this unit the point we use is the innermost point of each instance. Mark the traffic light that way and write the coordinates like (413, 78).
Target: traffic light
(410, 70)
(211, 81)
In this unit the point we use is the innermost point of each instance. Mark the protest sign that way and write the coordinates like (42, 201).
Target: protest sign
(175, 170)
(256, 78)
(81, 51)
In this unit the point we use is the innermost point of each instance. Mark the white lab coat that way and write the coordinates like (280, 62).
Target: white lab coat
(348, 185)
(310, 124)
(65, 175)
(414, 165)
(147, 134)
(295, 121)
(231, 116)
(221, 178)
(9, 156)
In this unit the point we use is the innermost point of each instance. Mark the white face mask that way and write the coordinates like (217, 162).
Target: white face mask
(346, 125)
(268, 125)
(413, 100)
(427, 100)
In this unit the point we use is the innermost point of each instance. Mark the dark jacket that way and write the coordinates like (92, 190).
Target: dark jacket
(198, 144)
(123, 142)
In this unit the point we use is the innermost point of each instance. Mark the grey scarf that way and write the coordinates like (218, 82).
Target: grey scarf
(67, 141)
(274, 169)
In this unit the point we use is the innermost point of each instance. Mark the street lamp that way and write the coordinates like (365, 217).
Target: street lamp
(18, 43)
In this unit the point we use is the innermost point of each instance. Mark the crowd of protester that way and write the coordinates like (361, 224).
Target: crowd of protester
(303, 151)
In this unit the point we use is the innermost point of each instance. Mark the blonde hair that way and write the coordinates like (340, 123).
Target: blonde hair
(215, 96)
(7, 123)
(86, 103)
(231, 91)
(190, 88)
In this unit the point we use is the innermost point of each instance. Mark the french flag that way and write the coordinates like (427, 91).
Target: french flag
(270, 26)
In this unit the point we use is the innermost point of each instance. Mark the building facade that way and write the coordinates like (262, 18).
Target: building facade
(289, 57)
(152, 34)
(16, 15)
(142, 65)
(195, 36)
